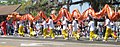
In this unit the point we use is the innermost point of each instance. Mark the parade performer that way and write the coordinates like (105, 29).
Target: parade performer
(92, 29)
(70, 28)
(64, 30)
(108, 30)
(45, 28)
(15, 28)
(74, 26)
(51, 27)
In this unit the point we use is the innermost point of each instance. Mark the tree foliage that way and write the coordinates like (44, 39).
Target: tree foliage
(33, 7)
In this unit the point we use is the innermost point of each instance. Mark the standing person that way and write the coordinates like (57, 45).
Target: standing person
(3, 27)
(92, 29)
(64, 30)
(99, 27)
(59, 30)
(8, 28)
(70, 29)
(104, 29)
(108, 30)
(32, 30)
(45, 27)
(28, 27)
(15, 29)
(51, 27)
(75, 33)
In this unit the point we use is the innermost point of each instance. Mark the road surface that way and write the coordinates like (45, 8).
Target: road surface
(37, 42)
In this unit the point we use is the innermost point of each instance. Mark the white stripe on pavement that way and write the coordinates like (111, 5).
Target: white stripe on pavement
(30, 44)
(101, 45)
(41, 44)
(3, 42)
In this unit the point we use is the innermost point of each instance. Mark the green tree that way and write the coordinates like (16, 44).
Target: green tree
(33, 7)
(44, 5)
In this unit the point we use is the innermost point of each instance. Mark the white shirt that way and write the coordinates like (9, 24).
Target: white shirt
(64, 24)
(107, 22)
(38, 26)
(44, 24)
(51, 25)
(91, 24)
(113, 26)
(74, 24)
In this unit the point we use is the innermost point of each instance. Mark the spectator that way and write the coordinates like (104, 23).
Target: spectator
(3, 27)
(99, 27)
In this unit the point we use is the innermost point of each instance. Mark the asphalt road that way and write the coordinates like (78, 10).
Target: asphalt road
(58, 42)
(39, 43)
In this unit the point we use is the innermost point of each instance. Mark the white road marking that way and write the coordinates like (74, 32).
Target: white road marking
(6, 39)
(52, 43)
(30, 44)
(101, 44)
(41, 44)
(3, 42)
(18, 40)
